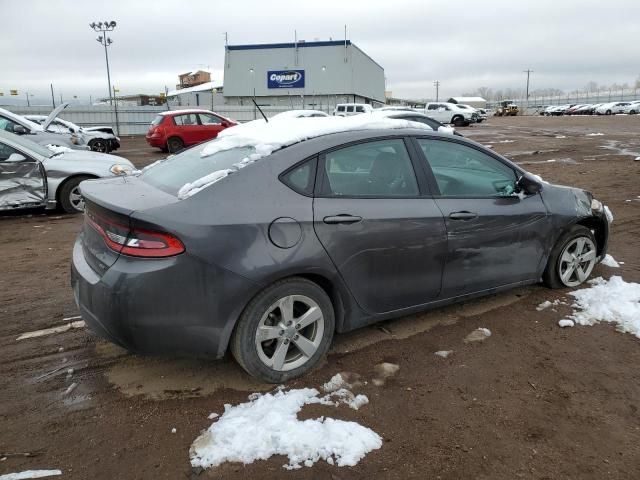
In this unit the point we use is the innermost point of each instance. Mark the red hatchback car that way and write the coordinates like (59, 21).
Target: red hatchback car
(173, 130)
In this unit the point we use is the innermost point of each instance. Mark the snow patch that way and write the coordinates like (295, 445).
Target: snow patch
(383, 371)
(561, 136)
(478, 335)
(608, 214)
(594, 134)
(443, 353)
(30, 474)
(566, 323)
(335, 383)
(267, 425)
(547, 304)
(57, 149)
(613, 301)
(609, 261)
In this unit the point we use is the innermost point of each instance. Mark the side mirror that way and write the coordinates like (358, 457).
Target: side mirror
(20, 130)
(528, 185)
(15, 158)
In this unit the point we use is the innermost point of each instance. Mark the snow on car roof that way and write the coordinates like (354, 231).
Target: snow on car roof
(266, 138)
(186, 110)
(300, 114)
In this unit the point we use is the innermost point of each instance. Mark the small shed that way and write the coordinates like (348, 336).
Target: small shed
(475, 102)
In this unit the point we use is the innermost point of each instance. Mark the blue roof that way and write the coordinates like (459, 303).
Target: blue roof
(260, 46)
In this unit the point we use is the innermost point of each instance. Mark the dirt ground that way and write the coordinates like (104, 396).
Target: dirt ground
(531, 401)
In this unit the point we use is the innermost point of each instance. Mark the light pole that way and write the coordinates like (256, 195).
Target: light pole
(528, 72)
(27, 94)
(437, 85)
(104, 27)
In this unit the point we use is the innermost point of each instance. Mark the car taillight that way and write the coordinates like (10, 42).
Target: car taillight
(134, 241)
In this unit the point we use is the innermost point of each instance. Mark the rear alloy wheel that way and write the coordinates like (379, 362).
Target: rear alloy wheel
(70, 198)
(99, 145)
(284, 331)
(608, 112)
(174, 145)
(572, 259)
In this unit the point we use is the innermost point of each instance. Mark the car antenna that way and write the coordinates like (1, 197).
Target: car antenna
(260, 110)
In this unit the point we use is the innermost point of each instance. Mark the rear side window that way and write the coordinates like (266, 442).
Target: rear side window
(301, 178)
(350, 108)
(185, 120)
(157, 120)
(380, 169)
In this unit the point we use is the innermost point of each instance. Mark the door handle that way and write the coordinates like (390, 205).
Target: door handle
(343, 218)
(463, 215)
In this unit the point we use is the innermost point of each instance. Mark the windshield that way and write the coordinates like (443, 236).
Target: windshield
(189, 166)
(27, 144)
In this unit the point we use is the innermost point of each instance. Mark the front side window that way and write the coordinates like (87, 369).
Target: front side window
(379, 169)
(462, 171)
(208, 119)
(186, 120)
(360, 109)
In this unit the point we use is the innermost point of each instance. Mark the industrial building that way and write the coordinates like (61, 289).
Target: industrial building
(301, 74)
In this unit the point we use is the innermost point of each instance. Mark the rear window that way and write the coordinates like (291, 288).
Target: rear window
(157, 120)
(189, 166)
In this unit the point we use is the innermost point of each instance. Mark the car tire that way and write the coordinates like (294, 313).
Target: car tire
(564, 267)
(458, 121)
(175, 144)
(296, 320)
(99, 145)
(69, 195)
(608, 112)
(632, 112)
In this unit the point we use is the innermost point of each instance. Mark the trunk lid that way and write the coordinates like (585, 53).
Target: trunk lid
(113, 201)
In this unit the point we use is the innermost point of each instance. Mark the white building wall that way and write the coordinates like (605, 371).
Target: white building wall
(347, 71)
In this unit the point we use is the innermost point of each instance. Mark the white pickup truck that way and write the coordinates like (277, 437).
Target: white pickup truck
(450, 113)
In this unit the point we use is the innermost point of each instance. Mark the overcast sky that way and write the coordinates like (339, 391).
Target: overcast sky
(463, 44)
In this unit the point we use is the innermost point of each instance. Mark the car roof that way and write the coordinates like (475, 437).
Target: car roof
(187, 110)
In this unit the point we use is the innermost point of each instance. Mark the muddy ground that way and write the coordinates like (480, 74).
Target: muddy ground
(531, 401)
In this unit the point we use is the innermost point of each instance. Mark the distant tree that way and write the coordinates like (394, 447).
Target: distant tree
(592, 87)
(638, 82)
(484, 92)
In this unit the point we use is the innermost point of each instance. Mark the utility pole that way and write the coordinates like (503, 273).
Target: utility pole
(437, 85)
(105, 41)
(53, 99)
(528, 72)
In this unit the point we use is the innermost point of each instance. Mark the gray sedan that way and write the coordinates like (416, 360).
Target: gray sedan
(270, 257)
(35, 176)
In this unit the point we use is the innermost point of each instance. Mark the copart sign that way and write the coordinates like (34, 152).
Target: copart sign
(285, 79)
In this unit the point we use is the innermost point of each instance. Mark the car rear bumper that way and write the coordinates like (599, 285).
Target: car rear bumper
(154, 141)
(159, 306)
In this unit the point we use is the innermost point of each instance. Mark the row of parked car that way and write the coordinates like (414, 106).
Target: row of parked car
(609, 108)
(174, 130)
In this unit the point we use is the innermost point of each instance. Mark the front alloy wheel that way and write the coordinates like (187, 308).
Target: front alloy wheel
(577, 261)
(572, 259)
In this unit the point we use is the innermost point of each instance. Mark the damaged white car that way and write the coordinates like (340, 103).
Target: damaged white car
(32, 175)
